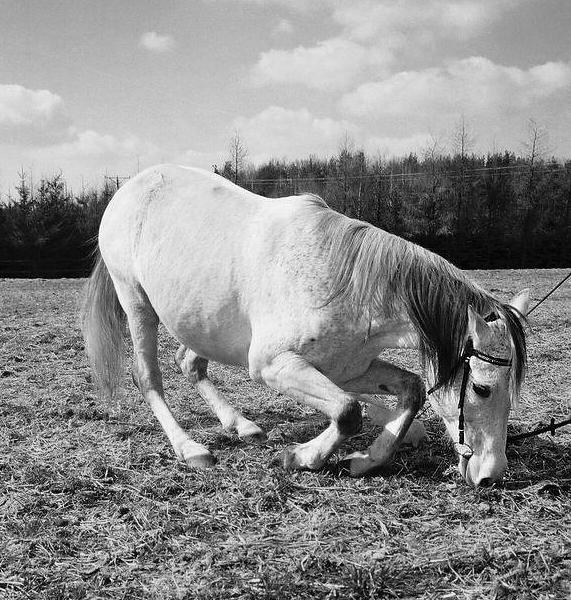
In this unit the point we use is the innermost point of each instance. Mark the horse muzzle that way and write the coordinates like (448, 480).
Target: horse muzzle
(483, 471)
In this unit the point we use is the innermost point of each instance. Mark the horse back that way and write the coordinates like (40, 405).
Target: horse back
(216, 262)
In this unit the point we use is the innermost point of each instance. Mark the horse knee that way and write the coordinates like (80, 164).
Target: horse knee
(350, 419)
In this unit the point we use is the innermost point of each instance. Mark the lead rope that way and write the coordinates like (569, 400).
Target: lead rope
(549, 428)
(551, 292)
(552, 424)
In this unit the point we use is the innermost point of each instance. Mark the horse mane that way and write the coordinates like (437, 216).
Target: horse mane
(381, 274)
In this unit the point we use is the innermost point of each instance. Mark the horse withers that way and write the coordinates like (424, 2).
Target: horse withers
(306, 299)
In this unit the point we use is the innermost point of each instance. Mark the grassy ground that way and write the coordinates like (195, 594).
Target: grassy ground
(93, 504)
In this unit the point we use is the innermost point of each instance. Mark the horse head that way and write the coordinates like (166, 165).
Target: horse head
(476, 404)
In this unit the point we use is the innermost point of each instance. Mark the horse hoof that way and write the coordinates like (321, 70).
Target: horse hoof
(201, 461)
(288, 459)
(195, 455)
(298, 457)
(358, 464)
(253, 435)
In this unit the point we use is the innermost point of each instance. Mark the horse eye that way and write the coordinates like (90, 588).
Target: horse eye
(481, 390)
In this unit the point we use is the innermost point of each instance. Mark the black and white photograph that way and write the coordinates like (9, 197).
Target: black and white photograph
(285, 300)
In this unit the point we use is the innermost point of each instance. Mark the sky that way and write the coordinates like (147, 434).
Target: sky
(91, 88)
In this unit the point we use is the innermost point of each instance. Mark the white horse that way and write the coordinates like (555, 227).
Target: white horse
(306, 299)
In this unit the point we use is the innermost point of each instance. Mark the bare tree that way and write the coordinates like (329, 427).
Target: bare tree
(536, 147)
(352, 165)
(432, 154)
(237, 154)
(346, 147)
(463, 139)
(433, 148)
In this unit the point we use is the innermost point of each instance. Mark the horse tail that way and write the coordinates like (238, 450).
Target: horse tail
(103, 325)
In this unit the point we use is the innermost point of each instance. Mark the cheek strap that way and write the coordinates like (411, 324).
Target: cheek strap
(461, 400)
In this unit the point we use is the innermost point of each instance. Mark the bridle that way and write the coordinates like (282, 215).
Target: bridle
(461, 447)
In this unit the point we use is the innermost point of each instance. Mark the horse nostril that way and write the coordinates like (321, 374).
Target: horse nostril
(485, 482)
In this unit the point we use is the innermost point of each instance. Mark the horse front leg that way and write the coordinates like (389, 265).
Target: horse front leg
(290, 374)
(383, 377)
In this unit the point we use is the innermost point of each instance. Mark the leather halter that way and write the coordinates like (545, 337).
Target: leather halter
(462, 448)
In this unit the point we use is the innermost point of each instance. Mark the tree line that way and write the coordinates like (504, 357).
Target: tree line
(497, 210)
(48, 231)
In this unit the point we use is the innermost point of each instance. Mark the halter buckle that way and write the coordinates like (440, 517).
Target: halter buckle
(463, 450)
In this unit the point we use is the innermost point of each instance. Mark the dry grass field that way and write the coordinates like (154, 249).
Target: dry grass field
(93, 503)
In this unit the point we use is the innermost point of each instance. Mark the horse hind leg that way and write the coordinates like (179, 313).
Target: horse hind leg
(143, 325)
(195, 367)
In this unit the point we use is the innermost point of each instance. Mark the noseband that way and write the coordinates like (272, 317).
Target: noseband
(462, 448)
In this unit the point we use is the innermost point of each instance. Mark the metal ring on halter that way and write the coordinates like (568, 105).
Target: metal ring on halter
(463, 450)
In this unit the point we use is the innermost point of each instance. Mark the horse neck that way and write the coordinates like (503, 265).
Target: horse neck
(385, 276)
(435, 295)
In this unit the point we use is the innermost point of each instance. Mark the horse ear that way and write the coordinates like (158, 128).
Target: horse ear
(478, 329)
(521, 302)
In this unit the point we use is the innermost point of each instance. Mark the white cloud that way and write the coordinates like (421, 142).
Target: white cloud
(366, 19)
(302, 6)
(418, 20)
(374, 35)
(396, 146)
(28, 116)
(474, 86)
(154, 42)
(22, 106)
(283, 28)
(278, 132)
(97, 146)
(468, 18)
(35, 133)
(83, 159)
(197, 158)
(358, 12)
(550, 77)
(332, 64)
